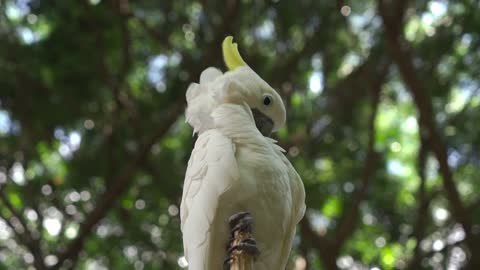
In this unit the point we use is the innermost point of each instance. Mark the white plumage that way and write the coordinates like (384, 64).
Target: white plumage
(234, 168)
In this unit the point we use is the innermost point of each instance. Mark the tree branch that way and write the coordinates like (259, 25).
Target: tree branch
(424, 202)
(123, 181)
(320, 243)
(399, 50)
(349, 219)
(118, 187)
(25, 235)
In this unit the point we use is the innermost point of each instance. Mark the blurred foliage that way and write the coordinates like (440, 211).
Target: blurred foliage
(93, 144)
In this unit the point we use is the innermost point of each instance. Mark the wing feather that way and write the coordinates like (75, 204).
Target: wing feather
(209, 175)
(298, 206)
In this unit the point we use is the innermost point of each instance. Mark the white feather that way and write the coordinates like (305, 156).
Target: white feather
(209, 75)
(234, 168)
(201, 102)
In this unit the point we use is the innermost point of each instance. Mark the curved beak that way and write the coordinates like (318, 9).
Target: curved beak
(264, 123)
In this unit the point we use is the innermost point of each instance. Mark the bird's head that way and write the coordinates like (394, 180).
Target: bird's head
(243, 85)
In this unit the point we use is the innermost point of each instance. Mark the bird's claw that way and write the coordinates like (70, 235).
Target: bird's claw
(236, 218)
(240, 226)
(244, 226)
(248, 245)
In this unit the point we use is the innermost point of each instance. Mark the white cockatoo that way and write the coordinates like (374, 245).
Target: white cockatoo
(236, 167)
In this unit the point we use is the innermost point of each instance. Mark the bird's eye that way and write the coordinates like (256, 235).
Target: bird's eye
(267, 100)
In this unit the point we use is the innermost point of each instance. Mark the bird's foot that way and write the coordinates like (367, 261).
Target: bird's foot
(240, 222)
(241, 240)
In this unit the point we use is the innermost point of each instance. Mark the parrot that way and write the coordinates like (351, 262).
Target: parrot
(236, 167)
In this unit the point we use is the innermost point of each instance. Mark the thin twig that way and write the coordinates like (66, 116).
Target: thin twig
(424, 202)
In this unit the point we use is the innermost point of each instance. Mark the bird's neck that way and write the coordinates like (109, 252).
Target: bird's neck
(236, 122)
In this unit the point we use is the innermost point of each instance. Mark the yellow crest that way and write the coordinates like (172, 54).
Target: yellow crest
(231, 56)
